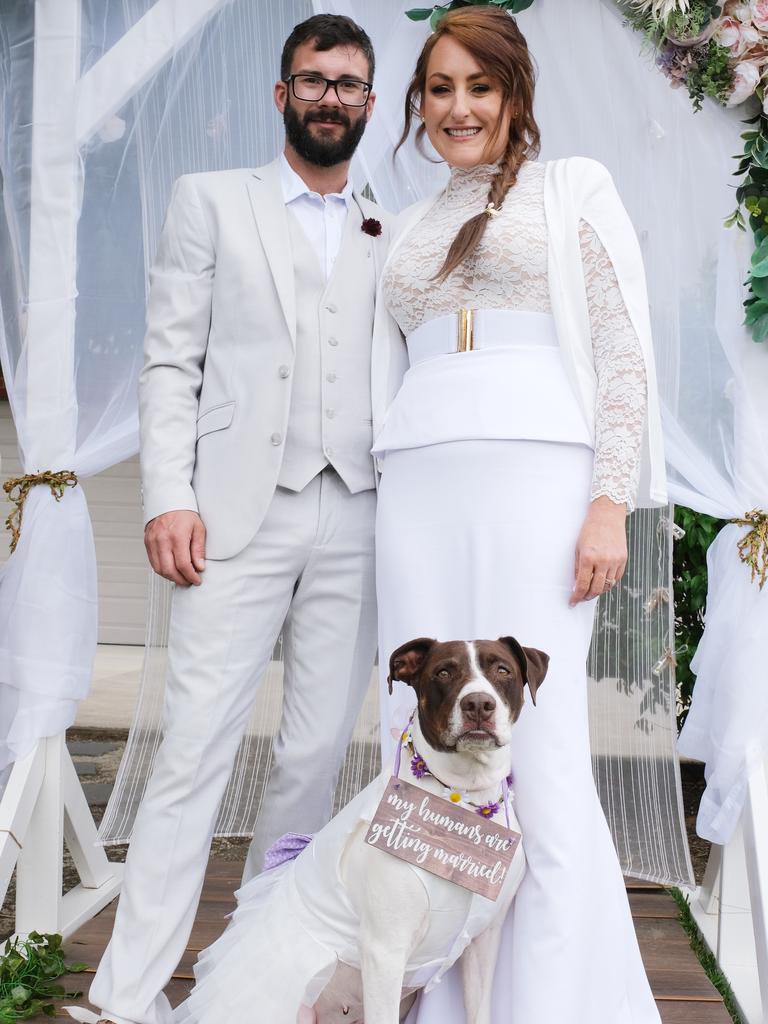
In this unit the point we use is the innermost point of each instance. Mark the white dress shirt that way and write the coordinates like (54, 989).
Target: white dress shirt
(322, 218)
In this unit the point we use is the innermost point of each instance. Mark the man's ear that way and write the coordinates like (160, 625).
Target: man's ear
(406, 662)
(281, 95)
(533, 663)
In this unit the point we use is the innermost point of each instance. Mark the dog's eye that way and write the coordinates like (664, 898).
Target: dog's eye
(443, 673)
(503, 669)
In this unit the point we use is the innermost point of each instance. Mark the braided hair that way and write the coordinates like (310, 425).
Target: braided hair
(497, 44)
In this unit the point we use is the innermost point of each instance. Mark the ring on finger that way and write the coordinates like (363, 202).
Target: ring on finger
(608, 585)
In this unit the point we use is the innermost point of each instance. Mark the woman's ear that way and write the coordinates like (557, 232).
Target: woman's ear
(407, 661)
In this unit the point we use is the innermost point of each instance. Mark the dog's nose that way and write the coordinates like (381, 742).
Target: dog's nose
(479, 706)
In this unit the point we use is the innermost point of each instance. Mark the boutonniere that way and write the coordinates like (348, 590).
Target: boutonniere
(371, 226)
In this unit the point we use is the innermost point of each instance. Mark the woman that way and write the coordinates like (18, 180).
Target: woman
(510, 451)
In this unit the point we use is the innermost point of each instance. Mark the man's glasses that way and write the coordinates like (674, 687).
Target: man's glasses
(312, 88)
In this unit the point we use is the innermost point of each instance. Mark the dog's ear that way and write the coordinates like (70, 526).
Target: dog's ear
(405, 663)
(533, 663)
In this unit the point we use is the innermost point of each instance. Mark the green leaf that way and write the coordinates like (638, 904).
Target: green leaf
(756, 312)
(419, 13)
(435, 17)
(760, 329)
(759, 286)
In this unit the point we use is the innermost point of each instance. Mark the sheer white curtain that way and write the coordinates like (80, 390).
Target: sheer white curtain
(70, 347)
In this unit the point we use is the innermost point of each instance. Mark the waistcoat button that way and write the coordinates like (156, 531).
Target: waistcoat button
(284, 372)
(331, 378)
(333, 341)
(330, 413)
(276, 438)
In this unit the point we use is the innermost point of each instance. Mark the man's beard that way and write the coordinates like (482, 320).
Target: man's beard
(324, 152)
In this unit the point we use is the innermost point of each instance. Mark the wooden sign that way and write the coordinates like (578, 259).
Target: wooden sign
(444, 839)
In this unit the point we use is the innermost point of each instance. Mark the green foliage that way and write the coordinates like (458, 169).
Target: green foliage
(711, 74)
(435, 13)
(28, 971)
(752, 196)
(689, 575)
(687, 25)
(705, 956)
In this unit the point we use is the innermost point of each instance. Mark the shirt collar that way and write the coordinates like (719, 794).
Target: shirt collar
(294, 185)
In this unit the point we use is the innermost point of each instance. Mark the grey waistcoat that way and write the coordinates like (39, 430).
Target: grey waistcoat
(329, 421)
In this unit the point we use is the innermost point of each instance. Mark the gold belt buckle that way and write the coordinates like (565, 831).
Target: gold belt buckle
(465, 340)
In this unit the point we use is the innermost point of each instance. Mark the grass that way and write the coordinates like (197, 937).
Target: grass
(705, 955)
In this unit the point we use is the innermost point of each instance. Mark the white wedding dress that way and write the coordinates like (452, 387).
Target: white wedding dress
(488, 471)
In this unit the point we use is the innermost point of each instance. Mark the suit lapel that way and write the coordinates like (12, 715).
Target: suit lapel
(269, 212)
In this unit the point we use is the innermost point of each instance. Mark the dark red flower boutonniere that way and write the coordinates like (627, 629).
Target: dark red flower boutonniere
(371, 226)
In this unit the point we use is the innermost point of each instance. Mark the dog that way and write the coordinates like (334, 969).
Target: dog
(469, 695)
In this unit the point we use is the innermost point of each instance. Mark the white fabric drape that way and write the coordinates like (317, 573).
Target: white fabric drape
(69, 382)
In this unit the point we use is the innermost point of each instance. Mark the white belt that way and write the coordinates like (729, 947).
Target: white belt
(470, 330)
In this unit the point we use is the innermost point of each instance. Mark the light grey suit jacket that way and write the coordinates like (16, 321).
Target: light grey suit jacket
(214, 394)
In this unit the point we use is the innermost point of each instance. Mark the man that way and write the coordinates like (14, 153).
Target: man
(258, 490)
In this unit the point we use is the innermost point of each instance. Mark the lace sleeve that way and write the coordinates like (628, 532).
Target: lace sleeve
(621, 383)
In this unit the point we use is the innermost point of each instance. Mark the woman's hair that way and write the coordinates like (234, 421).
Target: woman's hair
(498, 46)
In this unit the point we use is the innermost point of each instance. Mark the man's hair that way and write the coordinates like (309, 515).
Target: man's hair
(326, 31)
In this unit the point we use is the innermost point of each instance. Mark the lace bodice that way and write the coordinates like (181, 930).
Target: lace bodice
(509, 271)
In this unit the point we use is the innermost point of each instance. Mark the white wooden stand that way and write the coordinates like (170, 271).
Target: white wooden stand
(731, 905)
(42, 808)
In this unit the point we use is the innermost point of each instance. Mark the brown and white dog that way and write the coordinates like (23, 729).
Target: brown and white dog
(469, 695)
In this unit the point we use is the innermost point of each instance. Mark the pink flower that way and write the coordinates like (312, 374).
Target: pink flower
(736, 36)
(760, 14)
(745, 81)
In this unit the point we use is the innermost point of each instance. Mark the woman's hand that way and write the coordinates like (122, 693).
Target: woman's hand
(601, 552)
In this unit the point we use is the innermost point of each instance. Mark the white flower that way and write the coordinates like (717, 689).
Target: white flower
(741, 11)
(745, 80)
(662, 9)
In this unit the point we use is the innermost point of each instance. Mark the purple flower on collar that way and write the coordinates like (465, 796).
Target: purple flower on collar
(488, 810)
(418, 766)
(371, 226)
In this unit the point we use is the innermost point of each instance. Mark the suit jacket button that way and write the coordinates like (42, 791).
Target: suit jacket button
(284, 371)
(333, 342)
(331, 308)
(276, 439)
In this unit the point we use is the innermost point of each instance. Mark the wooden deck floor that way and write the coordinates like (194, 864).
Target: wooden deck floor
(683, 992)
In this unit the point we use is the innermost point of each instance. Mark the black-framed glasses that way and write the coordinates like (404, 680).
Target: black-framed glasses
(312, 88)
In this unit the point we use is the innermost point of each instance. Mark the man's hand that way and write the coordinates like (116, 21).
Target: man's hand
(175, 543)
(601, 551)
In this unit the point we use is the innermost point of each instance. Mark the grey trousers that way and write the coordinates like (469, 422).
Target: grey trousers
(310, 572)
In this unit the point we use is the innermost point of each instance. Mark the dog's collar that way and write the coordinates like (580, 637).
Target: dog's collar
(420, 769)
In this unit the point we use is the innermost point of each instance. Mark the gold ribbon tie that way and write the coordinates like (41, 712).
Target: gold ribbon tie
(753, 546)
(19, 487)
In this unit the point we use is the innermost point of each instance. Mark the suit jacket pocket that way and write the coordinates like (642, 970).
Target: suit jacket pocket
(216, 418)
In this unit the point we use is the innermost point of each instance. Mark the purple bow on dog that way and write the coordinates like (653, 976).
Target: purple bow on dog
(287, 847)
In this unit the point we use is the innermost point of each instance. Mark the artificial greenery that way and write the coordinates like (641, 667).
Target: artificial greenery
(752, 195)
(436, 12)
(692, 22)
(705, 955)
(28, 973)
(689, 574)
(711, 74)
